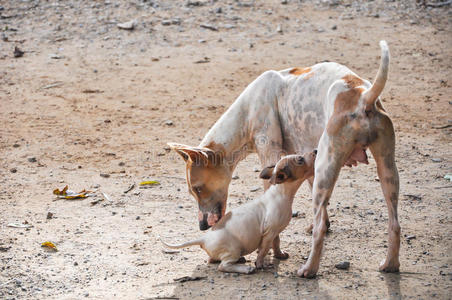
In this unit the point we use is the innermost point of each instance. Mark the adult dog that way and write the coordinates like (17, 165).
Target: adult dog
(325, 106)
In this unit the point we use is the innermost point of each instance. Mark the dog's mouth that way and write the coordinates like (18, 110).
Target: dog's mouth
(358, 155)
(210, 218)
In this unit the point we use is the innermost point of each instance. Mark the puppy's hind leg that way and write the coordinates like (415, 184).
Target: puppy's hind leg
(230, 266)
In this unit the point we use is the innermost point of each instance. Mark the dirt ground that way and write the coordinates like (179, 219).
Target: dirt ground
(87, 98)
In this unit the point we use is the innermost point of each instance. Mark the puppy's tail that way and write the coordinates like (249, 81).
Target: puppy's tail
(372, 94)
(198, 242)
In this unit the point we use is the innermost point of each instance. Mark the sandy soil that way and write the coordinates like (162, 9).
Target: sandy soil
(88, 98)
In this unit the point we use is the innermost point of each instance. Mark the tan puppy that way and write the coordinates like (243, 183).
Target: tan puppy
(256, 225)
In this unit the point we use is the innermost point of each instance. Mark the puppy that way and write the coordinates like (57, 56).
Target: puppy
(256, 225)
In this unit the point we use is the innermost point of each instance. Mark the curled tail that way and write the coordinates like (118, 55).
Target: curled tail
(372, 94)
(199, 242)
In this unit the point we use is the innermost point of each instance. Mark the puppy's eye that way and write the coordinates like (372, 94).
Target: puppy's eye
(280, 176)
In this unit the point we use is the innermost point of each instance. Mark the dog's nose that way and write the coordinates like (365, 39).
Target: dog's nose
(315, 151)
(203, 225)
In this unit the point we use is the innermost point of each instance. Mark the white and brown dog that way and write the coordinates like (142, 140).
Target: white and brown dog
(257, 224)
(325, 106)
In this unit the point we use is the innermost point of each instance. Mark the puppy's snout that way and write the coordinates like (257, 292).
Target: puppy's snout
(315, 151)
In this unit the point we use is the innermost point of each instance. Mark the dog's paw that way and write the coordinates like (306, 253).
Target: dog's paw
(389, 267)
(282, 255)
(306, 272)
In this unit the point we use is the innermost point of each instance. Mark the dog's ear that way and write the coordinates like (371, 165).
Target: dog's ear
(190, 153)
(266, 172)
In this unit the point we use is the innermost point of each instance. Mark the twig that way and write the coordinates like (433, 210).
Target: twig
(442, 126)
(443, 187)
(189, 278)
(440, 4)
(107, 197)
(52, 85)
(1, 285)
(129, 188)
(162, 297)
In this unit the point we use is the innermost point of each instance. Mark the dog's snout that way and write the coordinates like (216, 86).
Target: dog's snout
(203, 225)
(315, 151)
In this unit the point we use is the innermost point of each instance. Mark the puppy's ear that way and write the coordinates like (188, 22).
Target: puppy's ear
(266, 172)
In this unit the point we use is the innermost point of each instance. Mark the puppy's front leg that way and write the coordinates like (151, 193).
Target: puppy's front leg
(277, 250)
(263, 250)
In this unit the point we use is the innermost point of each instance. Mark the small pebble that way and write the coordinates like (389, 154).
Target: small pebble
(104, 175)
(410, 237)
(169, 123)
(13, 170)
(32, 159)
(49, 215)
(344, 265)
(437, 160)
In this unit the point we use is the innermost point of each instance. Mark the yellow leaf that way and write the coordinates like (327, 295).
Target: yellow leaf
(62, 192)
(150, 182)
(49, 245)
(67, 194)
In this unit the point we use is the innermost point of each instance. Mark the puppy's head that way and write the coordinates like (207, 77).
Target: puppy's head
(291, 168)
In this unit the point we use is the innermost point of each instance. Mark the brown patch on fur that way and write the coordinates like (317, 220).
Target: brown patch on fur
(345, 102)
(216, 147)
(352, 81)
(220, 224)
(298, 71)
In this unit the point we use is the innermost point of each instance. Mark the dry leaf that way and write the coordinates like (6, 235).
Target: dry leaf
(49, 245)
(68, 194)
(150, 182)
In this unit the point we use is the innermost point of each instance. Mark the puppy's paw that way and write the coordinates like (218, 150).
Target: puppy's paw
(259, 264)
(241, 260)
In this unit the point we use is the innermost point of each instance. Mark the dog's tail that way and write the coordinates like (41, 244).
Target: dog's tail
(199, 242)
(372, 94)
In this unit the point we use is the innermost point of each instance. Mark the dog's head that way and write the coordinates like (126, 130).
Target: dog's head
(291, 168)
(208, 179)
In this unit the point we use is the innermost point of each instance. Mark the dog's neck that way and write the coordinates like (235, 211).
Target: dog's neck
(230, 135)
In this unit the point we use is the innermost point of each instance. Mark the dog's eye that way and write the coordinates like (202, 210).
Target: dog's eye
(197, 190)
(280, 176)
(300, 160)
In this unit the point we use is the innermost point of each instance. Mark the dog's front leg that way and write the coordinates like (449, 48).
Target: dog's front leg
(383, 151)
(327, 167)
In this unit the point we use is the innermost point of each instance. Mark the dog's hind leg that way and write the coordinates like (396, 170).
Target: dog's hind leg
(383, 151)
